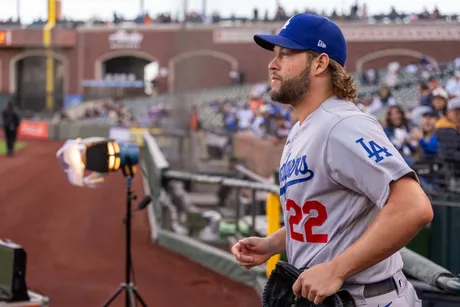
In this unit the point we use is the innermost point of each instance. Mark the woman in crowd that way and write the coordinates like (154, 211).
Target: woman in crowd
(398, 130)
(439, 101)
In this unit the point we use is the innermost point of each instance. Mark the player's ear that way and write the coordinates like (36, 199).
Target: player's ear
(320, 64)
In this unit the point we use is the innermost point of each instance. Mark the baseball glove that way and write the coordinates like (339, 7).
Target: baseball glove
(278, 291)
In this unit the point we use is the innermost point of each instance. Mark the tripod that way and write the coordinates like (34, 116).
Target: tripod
(130, 289)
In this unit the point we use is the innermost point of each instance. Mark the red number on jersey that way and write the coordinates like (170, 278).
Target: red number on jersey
(315, 221)
(294, 219)
(311, 221)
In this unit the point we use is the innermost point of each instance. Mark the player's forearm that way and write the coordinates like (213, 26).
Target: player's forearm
(277, 241)
(394, 227)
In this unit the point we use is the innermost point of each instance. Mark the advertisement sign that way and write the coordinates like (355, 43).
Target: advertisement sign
(136, 134)
(120, 134)
(123, 39)
(35, 130)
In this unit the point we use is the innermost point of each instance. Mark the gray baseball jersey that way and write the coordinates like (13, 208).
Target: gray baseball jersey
(335, 173)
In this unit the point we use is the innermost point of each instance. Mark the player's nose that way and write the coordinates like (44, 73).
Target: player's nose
(273, 65)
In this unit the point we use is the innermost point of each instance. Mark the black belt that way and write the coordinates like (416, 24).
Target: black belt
(379, 288)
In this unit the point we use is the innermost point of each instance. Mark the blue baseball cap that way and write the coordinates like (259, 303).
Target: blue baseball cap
(308, 32)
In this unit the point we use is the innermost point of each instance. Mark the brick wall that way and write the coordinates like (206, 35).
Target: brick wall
(260, 156)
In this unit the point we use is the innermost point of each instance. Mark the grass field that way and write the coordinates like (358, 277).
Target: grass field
(17, 146)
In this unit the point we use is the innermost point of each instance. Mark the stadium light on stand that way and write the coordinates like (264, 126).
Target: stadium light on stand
(98, 155)
(103, 156)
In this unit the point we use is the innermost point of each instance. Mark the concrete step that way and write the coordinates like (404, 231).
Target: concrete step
(203, 199)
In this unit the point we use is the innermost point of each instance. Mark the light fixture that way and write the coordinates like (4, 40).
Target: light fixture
(97, 155)
(102, 156)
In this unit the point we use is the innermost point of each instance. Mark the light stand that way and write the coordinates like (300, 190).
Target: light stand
(130, 289)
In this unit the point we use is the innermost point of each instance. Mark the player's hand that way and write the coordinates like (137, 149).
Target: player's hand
(252, 251)
(317, 283)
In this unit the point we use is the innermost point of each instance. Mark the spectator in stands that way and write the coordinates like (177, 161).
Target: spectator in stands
(144, 120)
(259, 124)
(399, 132)
(392, 74)
(245, 116)
(282, 130)
(426, 164)
(197, 134)
(453, 85)
(433, 83)
(286, 113)
(447, 133)
(426, 137)
(439, 101)
(256, 101)
(383, 100)
(425, 95)
(230, 120)
(370, 77)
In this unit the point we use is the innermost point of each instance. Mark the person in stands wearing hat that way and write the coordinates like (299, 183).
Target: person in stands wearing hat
(439, 98)
(427, 150)
(447, 133)
(453, 85)
(427, 140)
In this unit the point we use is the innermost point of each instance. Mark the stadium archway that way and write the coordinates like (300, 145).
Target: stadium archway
(28, 80)
(389, 53)
(199, 69)
(124, 73)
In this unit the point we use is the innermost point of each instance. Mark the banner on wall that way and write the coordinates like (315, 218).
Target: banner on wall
(34, 130)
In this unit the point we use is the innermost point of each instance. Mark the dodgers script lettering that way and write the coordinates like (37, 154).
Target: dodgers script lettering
(294, 171)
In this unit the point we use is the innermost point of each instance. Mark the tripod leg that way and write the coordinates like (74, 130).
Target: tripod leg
(114, 296)
(130, 301)
(139, 298)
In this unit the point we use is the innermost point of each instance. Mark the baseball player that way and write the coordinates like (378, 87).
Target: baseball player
(350, 201)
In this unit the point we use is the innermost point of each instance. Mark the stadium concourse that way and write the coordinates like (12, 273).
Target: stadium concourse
(74, 238)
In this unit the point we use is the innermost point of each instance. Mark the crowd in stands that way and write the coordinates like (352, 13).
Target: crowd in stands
(115, 113)
(355, 13)
(426, 132)
(257, 115)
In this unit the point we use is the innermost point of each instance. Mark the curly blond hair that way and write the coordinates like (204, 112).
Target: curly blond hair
(343, 85)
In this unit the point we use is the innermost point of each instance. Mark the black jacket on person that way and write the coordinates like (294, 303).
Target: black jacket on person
(10, 119)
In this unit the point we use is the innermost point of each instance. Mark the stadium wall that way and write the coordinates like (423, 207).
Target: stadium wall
(222, 49)
(211, 257)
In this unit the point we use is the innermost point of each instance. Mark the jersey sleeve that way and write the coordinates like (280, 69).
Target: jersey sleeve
(361, 157)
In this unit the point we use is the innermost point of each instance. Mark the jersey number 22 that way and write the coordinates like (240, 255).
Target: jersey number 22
(312, 221)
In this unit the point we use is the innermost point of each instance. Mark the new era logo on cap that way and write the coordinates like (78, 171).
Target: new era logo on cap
(308, 32)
